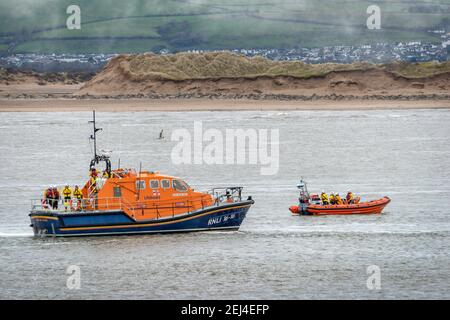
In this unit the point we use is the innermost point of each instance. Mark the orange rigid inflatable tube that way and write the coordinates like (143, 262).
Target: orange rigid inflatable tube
(294, 209)
(371, 207)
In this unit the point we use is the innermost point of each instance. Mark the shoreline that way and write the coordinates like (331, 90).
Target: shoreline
(198, 104)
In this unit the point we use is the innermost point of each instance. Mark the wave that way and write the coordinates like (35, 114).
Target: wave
(326, 231)
(15, 235)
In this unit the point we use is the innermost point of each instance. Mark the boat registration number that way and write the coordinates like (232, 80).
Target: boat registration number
(220, 219)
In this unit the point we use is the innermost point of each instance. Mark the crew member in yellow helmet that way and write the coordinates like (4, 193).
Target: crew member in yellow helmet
(78, 195)
(349, 197)
(338, 199)
(67, 194)
(332, 198)
(324, 198)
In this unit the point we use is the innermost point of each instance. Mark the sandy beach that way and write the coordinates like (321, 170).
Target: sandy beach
(120, 105)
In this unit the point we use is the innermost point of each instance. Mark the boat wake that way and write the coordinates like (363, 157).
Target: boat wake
(15, 234)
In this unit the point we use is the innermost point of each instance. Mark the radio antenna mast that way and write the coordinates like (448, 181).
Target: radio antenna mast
(94, 136)
(102, 157)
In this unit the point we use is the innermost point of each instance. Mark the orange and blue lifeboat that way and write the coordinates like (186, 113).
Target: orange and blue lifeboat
(140, 203)
(124, 201)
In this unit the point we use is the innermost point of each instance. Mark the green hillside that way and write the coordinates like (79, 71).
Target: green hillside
(140, 26)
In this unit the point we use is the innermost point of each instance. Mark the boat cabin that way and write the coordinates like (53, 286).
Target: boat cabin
(143, 195)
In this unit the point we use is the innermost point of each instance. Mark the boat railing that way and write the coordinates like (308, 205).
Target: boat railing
(74, 204)
(108, 204)
(226, 194)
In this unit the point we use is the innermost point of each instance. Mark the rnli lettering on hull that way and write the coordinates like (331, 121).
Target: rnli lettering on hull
(220, 219)
(193, 310)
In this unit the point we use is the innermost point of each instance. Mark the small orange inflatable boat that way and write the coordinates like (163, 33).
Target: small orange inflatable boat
(370, 207)
(310, 204)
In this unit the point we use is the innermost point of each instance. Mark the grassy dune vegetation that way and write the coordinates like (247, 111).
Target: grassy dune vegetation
(188, 66)
(419, 70)
(141, 26)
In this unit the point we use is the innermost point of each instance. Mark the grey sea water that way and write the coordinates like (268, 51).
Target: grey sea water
(403, 154)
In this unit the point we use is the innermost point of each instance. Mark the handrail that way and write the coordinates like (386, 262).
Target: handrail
(85, 202)
(118, 203)
(220, 194)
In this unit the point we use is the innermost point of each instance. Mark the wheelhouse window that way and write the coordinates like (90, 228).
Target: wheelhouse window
(154, 184)
(117, 192)
(165, 184)
(180, 185)
(140, 185)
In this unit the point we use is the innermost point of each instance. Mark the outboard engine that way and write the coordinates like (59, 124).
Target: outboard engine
(303, 198)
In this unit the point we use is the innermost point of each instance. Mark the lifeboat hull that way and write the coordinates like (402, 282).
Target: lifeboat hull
(223, 217)
(371, 207)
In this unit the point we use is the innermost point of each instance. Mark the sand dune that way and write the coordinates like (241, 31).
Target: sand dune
(225, 81)
(230, 75)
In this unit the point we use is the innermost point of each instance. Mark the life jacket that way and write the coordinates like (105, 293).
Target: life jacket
(77, 193)
(49, 194)
(67, 192)
(332, 199)
(324, 197)
(349, 197)
(338, 199)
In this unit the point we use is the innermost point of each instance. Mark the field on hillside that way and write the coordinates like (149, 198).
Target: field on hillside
(140, 26)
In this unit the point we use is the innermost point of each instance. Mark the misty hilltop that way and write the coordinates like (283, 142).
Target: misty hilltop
(140, 26)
